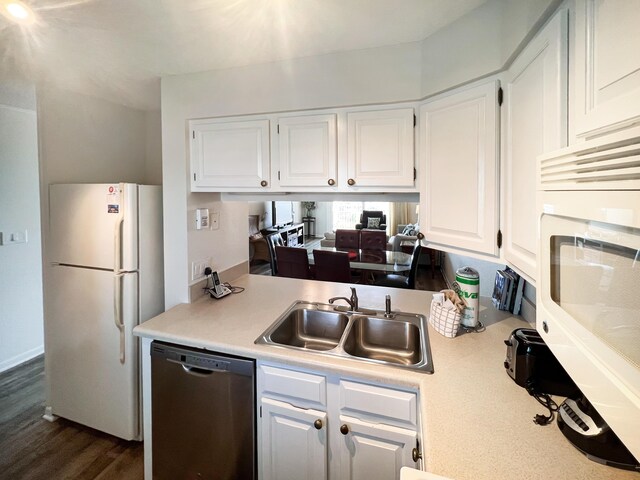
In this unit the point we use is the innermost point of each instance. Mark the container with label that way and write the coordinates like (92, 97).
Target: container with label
(468, 281)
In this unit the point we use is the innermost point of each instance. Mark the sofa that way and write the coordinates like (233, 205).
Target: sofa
(329, 240)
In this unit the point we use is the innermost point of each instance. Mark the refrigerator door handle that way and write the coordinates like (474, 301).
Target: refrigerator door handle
(117, 309)
(117, 245)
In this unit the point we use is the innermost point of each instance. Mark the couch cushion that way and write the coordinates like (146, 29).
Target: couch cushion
(411, 230)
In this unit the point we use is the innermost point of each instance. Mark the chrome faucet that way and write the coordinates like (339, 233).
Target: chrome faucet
(353, 301)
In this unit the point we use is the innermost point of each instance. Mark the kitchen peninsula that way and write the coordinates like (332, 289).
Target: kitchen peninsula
(474, 421)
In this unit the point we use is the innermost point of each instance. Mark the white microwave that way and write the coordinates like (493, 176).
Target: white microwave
(588, 286)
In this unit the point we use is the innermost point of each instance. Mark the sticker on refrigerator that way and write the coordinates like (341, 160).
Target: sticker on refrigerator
(113, 199)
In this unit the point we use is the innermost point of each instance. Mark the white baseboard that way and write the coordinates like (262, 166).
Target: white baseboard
(21, 358)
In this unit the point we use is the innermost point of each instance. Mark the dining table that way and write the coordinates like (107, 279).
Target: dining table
(386, 261)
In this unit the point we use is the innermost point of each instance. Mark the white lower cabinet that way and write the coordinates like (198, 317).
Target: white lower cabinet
(294, 442)
(370, 450)
(316, 426)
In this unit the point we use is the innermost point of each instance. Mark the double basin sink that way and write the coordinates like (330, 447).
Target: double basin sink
(398, 339)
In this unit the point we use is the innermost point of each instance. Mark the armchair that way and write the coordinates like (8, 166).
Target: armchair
(373, 219)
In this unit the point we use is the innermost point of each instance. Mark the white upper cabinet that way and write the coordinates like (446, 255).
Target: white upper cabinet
(535, 122)
(308, 151)
(380, 148)
(607, 66)
(459, 150)
(229, 155)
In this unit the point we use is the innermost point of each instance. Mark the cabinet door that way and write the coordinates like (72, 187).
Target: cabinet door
(380, 148)
(292, 446)
(229, 154)
(374, 450)
(607, 65)
(308, 151)
(459, 138)
(535, 123)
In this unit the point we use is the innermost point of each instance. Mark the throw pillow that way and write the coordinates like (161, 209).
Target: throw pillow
(408, 229)
(373, 223)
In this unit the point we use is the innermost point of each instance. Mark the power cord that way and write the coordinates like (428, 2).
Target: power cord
(233, 288)
(208, 288)
(546, 401)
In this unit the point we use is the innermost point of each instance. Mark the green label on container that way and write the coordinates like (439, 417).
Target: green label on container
(468, 281)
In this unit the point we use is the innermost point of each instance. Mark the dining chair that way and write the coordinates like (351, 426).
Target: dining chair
(332, 266)
(274, 240)
(293, 262)
(373, 240)
(400, 281)
(348, 239)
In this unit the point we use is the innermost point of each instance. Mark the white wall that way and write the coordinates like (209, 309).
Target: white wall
(153, 148)
(487, 271)
(474, 46)
(479, 43)
(86, 139)
(21, 327)
(366, 76)
(89, 140)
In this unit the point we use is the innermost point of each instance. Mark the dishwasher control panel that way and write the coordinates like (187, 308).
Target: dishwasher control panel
(207, 363)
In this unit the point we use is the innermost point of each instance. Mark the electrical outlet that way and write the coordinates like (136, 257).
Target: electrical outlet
(215, 220)
(197, 269)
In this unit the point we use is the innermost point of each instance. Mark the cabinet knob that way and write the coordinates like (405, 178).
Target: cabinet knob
(416, 455)
(420, 235)
(318, 424)
(351, 181)
(263, 183)
(344, 429)
(331, 182)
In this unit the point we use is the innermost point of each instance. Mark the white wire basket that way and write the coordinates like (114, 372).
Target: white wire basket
(446, 322)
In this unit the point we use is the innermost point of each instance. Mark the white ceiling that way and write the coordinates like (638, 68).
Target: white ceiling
(124, 46)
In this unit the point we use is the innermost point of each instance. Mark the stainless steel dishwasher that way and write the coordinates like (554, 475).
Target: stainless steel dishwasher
(203, 414)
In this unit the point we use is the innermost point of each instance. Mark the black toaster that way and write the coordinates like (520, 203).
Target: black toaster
(532, 365)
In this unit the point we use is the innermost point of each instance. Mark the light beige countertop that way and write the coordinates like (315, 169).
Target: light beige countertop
(476, 422)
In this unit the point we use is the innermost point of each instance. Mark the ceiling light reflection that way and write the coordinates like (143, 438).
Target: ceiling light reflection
(17, 11)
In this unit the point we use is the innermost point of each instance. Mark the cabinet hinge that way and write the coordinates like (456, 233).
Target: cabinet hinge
(194, 177)
(278, 128)
(415, 120)
(415, 173)
(278, 174)
(260, 411)
(500, 96)
(499, 239)
(193, 134)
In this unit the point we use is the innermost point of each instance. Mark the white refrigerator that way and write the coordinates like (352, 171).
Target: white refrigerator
(104, 276)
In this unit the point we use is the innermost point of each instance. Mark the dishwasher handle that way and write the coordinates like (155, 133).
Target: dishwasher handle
(199, 372)
(200, 362)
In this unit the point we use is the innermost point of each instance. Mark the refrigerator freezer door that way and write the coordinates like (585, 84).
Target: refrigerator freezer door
(87, 382)
(92, 224)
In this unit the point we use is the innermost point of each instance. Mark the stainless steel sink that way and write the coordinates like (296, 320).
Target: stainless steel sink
(312, 329)
(399, 340)
(393, 341)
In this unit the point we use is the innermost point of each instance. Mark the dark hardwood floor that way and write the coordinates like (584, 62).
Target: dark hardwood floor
(33, 448)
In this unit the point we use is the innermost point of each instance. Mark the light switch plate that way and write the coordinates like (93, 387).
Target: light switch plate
(215, 220)
(197, 269)
(13, 238)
